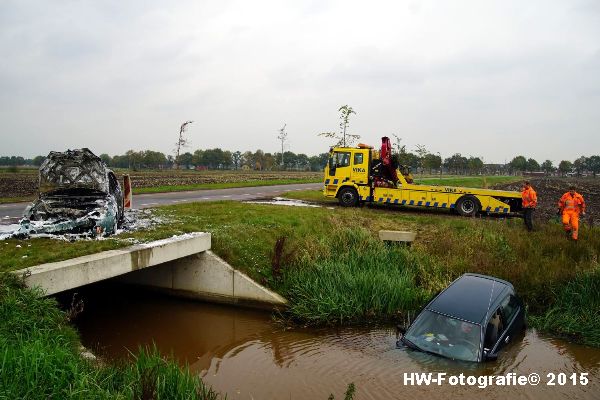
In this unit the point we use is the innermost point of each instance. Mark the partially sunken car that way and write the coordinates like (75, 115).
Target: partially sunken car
(471, 320)
(77, 194)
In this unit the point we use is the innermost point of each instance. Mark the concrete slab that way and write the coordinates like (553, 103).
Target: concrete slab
(397, 236)
(64, 275)
(207, 277)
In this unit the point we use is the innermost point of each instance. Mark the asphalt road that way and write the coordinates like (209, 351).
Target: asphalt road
(11, 212)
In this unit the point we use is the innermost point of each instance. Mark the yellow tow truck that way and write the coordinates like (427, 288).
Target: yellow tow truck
(358, 175)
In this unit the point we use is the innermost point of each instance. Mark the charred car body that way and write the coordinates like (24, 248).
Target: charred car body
(77, 194)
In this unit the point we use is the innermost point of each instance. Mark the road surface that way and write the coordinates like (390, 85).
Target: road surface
(11, 212)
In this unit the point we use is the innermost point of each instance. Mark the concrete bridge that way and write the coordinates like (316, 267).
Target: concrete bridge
(181, 265)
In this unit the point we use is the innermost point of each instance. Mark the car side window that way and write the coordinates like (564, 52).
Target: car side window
(342, 159)
(358, 158)
(494, 329)
(509, 307)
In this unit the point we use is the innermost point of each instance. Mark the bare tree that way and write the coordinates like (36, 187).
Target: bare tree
(343, 138)
(421, 153)
(182, 142)
(400, 149)
(282, 137)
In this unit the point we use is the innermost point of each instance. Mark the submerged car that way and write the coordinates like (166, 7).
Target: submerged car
(77, 194)
(471, 320)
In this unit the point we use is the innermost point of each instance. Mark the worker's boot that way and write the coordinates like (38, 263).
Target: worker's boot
(568, 234)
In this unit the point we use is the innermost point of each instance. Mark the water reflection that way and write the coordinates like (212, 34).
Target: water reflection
(242, 353)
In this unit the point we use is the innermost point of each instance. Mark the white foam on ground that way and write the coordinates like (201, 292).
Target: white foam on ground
(280, 201)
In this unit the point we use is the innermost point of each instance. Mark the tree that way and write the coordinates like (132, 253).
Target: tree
(134, 159)
(594, 164)
(547, 166)
(105, 159)
(186, 159)
(343, 138)
(432, 161)
(475, 165)
(580, 165)
(421, 153)
(37, 161)
(317, 163)
(181, 142)
(532, 165)
(399, 148)
(154, 159)
(518, 164)
(236, 158)
(282, 137)
(456, 163)
(565, 166)
(259, 159)
(198, 157)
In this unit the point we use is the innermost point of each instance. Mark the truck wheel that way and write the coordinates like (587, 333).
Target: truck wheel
(468, 206)
(348, 197)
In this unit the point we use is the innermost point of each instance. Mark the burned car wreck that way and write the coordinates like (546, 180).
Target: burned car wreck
(77, 194)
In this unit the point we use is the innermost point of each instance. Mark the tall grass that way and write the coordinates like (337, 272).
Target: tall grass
(576, 311)
(359, 279)
(39, 359)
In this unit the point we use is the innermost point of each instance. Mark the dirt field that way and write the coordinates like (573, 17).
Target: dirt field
(550, 190)
(25, 184)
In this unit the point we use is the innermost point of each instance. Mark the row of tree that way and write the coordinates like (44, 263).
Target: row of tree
(420, 161)
(218, 159)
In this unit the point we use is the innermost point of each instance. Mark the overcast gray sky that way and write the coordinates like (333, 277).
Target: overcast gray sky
(484, 78)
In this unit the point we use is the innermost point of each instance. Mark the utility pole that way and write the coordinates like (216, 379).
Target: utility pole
(283, 137)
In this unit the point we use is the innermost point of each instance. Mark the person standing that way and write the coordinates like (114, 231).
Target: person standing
(571, 205)
(529, 197)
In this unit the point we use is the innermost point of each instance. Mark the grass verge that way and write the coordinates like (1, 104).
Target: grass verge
(228, 185)
(575, 313)
(39, 358)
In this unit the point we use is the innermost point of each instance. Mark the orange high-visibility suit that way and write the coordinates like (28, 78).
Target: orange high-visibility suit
(571, 205)
(529, 197)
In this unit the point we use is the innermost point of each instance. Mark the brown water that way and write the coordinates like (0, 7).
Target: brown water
(244, 354)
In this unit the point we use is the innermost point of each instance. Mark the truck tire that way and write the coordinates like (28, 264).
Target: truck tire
(348, 197)
(468, 206)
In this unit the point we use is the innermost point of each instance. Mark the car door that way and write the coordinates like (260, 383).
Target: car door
(508, 311)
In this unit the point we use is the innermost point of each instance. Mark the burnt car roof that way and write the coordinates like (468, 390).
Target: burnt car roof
(470, 297)
(73, 169)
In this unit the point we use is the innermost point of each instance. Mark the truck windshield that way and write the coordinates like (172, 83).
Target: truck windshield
(446, 336)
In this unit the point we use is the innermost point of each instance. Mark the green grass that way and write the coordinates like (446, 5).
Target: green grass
(21, 199)
(319, 241)
(360, 279)
(39, 358)
(227, 185)
(575, 313)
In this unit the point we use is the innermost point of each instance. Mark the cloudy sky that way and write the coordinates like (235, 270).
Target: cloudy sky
(483, 78)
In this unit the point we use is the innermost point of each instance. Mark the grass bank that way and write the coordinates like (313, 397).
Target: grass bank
(330, 263)
(40, 358)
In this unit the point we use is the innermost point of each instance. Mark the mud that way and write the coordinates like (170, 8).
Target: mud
(549, 191)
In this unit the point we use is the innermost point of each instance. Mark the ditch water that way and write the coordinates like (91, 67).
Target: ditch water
(244, 354)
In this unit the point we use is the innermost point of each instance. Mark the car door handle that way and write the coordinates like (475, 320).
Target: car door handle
(507, 339)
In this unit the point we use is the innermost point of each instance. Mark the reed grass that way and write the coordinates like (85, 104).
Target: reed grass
(39, 358)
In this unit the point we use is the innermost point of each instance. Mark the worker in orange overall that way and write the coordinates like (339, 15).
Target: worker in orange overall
(570, 205)
(529, 197)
